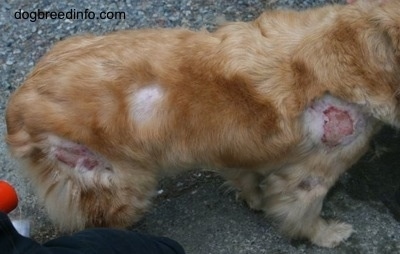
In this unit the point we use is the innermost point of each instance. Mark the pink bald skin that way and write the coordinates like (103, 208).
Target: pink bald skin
(337, 125)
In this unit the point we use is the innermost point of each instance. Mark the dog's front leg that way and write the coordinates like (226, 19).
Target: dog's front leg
(247, 185)
(294, 197)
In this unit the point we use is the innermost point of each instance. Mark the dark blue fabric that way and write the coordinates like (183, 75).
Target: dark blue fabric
(90, 241)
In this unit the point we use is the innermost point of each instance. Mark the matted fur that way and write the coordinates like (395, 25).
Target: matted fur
(101, 117)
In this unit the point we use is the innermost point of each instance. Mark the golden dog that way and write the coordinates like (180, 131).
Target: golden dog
(280, 107)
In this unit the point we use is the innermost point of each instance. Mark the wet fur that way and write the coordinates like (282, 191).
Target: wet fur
(235, 100)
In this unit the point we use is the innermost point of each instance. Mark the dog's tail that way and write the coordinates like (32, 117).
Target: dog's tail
(17, 138)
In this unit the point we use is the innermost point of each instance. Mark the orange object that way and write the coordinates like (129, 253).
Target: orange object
(8, 197)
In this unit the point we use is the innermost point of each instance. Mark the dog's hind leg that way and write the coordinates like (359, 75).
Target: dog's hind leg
(80, 187)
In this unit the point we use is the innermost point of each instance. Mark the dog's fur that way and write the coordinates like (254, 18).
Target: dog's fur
(280, 107)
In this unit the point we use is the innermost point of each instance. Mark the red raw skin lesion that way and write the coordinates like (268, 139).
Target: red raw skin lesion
(338, 125)
(77, 156)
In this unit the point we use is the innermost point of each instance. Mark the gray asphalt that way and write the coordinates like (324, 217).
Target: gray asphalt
(194, 208)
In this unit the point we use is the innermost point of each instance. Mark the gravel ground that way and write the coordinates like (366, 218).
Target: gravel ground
(193, 208)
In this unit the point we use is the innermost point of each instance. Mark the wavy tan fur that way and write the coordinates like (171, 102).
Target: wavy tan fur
(100, 118)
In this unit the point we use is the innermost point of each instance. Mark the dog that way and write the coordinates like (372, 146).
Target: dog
(280, 107)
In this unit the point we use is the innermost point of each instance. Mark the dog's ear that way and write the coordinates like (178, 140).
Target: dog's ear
(387, 19)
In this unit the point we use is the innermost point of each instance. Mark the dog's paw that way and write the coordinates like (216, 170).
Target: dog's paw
(332, 234)
(254, 202)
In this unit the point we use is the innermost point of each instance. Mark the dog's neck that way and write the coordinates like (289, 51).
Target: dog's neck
(351, 52)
